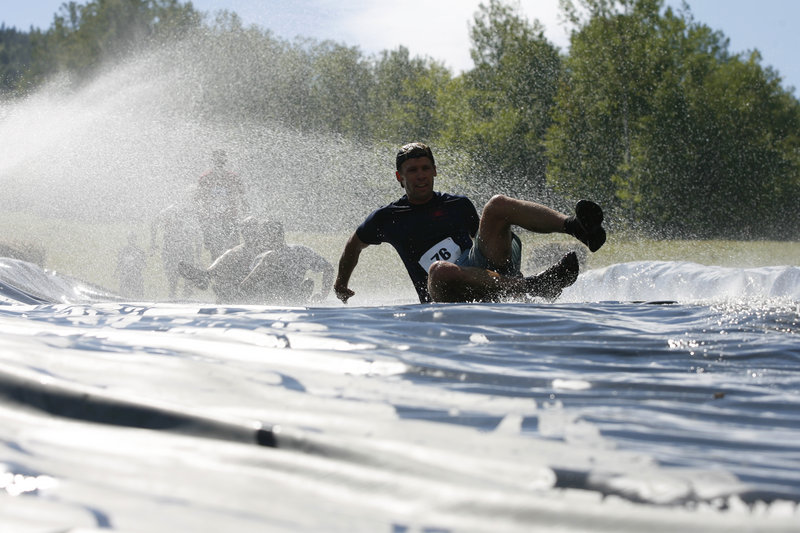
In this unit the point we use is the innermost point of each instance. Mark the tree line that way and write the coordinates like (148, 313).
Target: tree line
(649, 113)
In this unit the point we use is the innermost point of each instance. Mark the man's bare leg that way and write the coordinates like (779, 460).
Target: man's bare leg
(549, 283)
(448, 282)
(500, 213)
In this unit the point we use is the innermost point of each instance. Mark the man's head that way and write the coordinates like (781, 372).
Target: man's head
(413, 151)
(262, 234)
(415, 172)
(273, 233)
(251, 230)
(219, 157)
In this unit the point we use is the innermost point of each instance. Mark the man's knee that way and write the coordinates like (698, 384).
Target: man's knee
(498, 206)
(443, 271)
(441, 274)
(437, 272)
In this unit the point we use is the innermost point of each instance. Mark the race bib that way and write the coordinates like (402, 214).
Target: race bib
(446, 250)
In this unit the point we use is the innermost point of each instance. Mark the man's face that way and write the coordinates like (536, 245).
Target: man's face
(416, 177)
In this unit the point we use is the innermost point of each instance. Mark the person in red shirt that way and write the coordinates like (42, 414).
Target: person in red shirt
(221, 202)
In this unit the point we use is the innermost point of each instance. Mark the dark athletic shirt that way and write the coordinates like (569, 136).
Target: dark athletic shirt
(414, 229)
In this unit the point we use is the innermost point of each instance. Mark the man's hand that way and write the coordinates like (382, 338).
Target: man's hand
(343, 293)
(196, 276)
(317, 298)
(347, 263)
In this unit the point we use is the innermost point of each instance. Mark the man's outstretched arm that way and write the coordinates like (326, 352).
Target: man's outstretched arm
(347, 263)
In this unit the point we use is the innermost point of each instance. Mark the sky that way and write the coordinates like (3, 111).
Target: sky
(439, 28)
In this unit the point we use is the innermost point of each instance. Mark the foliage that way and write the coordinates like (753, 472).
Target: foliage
(656, 113)
(612, 66)
(404, 97)
(339, 89)
(15, 57)
(84, 36)
(649, 114)
(500, 110)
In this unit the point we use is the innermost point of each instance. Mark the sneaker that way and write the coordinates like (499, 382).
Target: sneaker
(551, 282)
(587, 225)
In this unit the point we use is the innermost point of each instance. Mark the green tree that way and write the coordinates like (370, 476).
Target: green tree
(339, 89)
(15, 57)
(657, 121)
(500, 110)
(83, 36)
(405, 96)
(613, 65)
(715, 157)
(245, 73)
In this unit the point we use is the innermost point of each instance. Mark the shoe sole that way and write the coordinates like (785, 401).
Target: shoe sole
(590, 216)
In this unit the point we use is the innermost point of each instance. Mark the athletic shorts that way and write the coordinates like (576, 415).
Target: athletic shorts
(475, 258)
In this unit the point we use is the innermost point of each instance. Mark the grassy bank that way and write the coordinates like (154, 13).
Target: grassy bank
(744, 254)
(89, 251)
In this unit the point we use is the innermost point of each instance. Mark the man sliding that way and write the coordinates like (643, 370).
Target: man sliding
(451, 254)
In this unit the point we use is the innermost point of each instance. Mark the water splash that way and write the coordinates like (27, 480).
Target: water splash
(89, 162)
